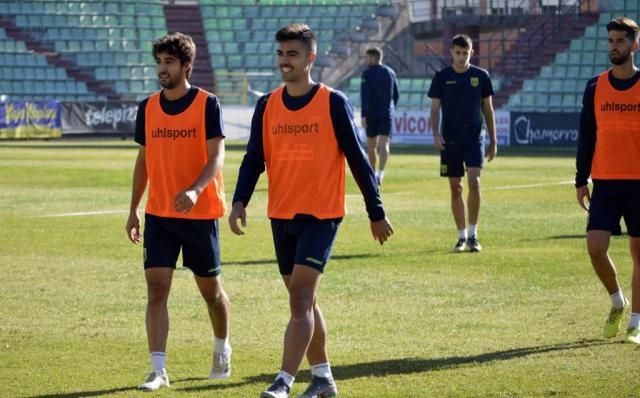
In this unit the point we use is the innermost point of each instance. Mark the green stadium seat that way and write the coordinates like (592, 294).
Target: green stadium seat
(573, 70)
(542, 101)
(574, 58)
(542, 85)
(555, 101)
(591, 31)
(562, 58)
(576, 45)
(560, 71)
(528, 85)
(589, 45)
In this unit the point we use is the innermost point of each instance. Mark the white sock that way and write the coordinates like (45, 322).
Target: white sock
(617, 299)
(380, 174)
(322, 370)
(634, 321)
(221, 345)
(286, 377)
(473, 230)
(462, 233)
(158, 360)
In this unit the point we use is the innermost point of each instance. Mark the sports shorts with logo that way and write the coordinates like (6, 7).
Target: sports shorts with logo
(612, 200)
(378, 125)
(456, 158)
(306, 241)
(198, 239)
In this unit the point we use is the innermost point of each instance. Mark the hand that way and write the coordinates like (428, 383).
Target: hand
(237, 211)
(582, 193)
(438, 142)
(133, 227)
(184, 201)
(363, 122)
(381, 230)
(492, 151)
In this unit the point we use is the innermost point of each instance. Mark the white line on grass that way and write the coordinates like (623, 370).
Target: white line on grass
(358, 195)
(87, 213)
(524, 186)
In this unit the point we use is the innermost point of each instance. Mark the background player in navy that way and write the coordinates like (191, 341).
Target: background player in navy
(302, 241)
(609, 151)
(463, 93)
(378, 96)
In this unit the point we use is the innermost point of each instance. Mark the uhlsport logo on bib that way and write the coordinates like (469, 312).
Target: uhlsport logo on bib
(295, 129)
(163, 132)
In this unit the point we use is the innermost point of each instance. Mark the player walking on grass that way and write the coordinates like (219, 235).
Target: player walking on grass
(379, 96)
(609, 151)
(463, 92)
(181, 154)
(302, 132)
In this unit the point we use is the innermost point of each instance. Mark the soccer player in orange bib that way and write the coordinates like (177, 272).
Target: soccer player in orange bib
(181, 154)
(609, 151)
(302, 132)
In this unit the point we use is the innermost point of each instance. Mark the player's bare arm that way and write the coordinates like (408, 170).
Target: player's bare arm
(490, 120)
(185, 200)
(237, 212)
(435, 124)
(137, 191)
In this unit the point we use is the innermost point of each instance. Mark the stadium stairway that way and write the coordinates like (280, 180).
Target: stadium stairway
(536, 48)
(97, 87)
(186, 18)
(389, 22)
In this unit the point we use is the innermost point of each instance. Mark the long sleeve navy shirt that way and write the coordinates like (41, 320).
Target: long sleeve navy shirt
(378, 91)
(588, 126)
(253, 163)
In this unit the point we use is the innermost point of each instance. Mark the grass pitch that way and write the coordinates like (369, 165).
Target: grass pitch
(409, 319)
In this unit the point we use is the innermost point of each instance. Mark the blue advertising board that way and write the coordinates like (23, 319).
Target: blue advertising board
(37, 119)
(544, 129)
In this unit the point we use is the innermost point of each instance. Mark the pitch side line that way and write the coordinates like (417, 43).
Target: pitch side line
(87, 213)
(357, 195)
(524, 186)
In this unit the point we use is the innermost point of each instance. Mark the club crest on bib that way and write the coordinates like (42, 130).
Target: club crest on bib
(475, 81)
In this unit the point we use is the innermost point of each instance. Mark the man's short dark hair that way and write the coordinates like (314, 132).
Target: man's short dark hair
(376, 52)
(463, 41)
(300, 32)
(178, 45)
(628, 25)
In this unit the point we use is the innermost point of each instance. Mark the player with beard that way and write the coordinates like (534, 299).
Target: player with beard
(181, 155)
(302, 132)
(609, 152)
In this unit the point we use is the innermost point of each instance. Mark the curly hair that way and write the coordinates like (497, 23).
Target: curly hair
(178, 45)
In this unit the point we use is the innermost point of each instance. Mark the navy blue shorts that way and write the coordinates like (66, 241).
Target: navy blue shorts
(378, 125)
(305, 242)
(455, 159)
(612, 200)
(198, 239)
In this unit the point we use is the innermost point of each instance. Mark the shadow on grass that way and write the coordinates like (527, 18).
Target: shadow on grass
(414, 365)
(273, 260)
(574, 236)
(387, 367)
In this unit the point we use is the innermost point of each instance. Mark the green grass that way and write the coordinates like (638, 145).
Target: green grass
(409, 319)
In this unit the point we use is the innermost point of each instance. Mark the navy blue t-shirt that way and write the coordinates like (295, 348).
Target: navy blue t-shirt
(345, 129)
(213, 114)
(588, 127)
(461, 96)
(378, 91)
